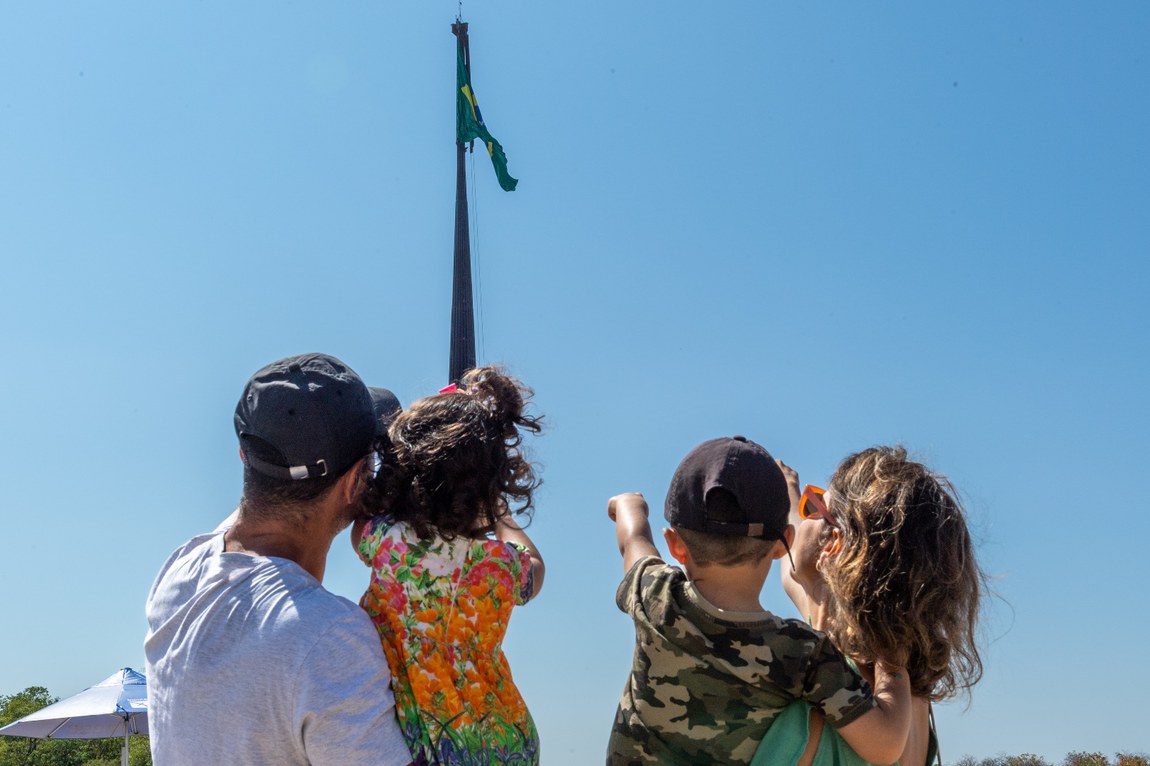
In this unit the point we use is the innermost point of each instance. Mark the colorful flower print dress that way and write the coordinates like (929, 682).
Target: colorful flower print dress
(441, 608)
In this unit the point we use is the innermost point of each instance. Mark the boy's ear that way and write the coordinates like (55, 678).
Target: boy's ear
(676, 546)
(780, 550)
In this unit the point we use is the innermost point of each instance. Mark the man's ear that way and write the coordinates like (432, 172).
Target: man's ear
(676, 546)
(353, 483)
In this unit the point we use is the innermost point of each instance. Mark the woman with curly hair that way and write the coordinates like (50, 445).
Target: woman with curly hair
(448, 563)
(884, 564)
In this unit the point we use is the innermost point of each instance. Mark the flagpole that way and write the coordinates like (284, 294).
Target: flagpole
(462, 310)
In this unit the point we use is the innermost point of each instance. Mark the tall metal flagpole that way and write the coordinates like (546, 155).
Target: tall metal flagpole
(462, 310)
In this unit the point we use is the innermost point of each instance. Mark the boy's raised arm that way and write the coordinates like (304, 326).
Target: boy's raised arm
(632, 530)
(880, 734)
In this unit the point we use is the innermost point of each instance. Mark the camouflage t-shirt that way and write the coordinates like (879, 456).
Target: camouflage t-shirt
(706, 683)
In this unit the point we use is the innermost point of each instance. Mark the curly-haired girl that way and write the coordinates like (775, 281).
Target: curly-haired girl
(884, 563)
(448, 564)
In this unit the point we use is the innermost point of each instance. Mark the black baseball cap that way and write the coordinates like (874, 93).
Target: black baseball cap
(316, 412)
(729, 486)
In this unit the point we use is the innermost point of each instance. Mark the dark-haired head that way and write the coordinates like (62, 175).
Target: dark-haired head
(266, 496)
(454, 462)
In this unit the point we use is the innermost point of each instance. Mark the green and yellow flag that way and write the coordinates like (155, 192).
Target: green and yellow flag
(469, 125)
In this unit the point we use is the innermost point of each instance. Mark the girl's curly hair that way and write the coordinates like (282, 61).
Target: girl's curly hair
(452, 463)
(906, 586)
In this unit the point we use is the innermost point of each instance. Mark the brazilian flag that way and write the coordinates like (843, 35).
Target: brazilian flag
(469, 125)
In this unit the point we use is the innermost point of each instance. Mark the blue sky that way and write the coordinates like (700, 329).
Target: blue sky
(824, 226)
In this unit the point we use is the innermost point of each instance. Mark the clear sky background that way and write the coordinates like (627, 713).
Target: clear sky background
(822, 225)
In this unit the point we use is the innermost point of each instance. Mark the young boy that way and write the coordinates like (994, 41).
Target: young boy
(713, 668)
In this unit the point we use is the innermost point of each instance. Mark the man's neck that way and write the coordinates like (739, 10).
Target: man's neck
(306, 541)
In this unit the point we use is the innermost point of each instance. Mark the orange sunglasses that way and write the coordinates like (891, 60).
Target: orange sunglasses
(812, 505)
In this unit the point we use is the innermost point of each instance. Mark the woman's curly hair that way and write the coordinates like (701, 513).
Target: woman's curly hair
(452, 463)
(906, 586)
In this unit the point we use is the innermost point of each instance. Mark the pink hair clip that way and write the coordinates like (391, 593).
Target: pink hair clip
(449, 389)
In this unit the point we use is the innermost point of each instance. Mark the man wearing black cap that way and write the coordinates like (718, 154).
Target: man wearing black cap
(712, 668)
(249, 659)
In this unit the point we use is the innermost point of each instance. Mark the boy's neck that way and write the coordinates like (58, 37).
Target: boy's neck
(732, 588)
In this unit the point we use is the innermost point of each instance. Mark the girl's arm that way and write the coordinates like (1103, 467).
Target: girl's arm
(880, 734)
(508, 531)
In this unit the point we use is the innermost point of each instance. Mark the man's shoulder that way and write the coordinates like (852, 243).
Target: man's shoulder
(199, 576)
(292, 593)
(331, 612)
(184, 561)
(196, 546)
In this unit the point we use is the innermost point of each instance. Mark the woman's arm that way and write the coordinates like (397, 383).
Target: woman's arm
(508, 530)
(917, 745)
(791, 586)
(816, 723)
(880, 734)
(795, 591)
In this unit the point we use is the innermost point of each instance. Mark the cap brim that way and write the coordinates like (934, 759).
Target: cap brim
(386, 405)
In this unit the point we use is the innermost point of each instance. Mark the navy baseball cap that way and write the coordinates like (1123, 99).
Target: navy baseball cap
(316, 412)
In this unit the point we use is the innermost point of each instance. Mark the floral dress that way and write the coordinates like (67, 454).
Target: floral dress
(441, 608)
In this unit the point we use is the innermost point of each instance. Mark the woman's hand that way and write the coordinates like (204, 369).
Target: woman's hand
(808, 604)
(793, 490)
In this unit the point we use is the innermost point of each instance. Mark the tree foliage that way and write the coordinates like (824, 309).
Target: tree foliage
(1072, 759)
(1132, 759)
(23, 751)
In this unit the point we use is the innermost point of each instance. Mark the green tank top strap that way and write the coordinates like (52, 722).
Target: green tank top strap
(786, 740)
(932, 751)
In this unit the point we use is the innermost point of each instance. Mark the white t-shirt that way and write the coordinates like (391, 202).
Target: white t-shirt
(251, 661)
